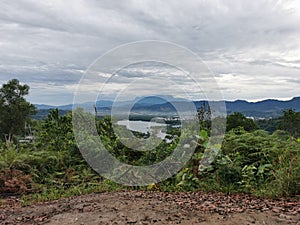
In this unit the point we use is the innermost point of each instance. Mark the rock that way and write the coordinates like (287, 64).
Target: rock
(286, 217)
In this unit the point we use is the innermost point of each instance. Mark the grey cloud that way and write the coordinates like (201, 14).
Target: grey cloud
(293, 81)
(55, 41)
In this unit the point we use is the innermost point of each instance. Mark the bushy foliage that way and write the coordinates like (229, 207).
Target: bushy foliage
(254, 162)
(127, 155)
(258, 163)
(237, 120)
(52, 161)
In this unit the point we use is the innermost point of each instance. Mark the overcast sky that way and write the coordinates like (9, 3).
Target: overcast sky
(252, 47)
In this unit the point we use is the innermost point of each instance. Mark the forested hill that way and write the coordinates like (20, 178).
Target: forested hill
(265, 108)
(157, 104)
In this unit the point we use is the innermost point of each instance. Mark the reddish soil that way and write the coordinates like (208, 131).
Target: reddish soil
(146, 207)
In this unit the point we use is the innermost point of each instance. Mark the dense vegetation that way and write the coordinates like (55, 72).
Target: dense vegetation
(251, 160)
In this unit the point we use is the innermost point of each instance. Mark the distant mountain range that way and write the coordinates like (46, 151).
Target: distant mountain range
(164, 104)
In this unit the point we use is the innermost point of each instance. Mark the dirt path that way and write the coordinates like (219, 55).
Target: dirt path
(141, 208)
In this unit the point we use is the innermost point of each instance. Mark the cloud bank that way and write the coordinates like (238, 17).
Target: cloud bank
(252, 47)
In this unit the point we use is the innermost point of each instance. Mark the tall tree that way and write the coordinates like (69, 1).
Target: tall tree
(14, 109)
(237, 119)
(291, 122)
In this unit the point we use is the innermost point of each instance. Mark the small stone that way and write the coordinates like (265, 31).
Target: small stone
(283, 216)
(276, 210)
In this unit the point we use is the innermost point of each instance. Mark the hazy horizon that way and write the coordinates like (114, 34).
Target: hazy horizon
(254, 101)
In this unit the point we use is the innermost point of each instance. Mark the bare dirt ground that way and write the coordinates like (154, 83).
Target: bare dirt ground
(146, 207)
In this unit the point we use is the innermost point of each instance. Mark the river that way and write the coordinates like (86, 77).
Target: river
(145, 127)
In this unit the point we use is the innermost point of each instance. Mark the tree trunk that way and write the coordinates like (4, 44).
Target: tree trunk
(8, 138)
